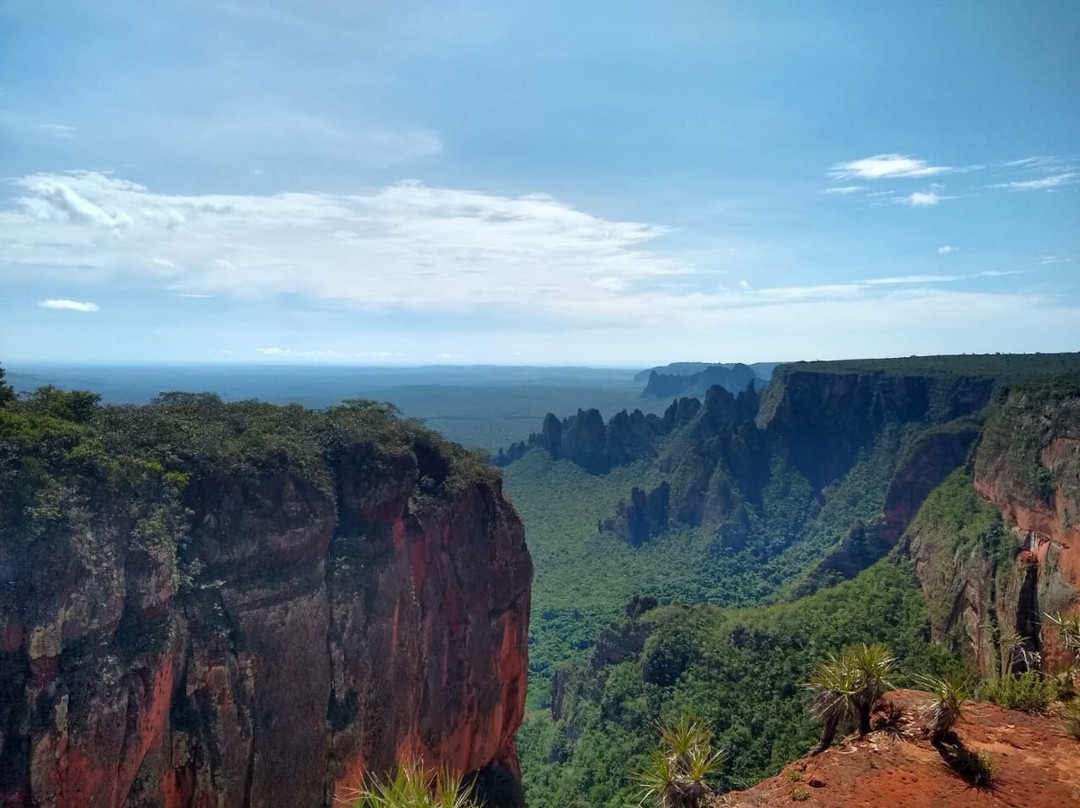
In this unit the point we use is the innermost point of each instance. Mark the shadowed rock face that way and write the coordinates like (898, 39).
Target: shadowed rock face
(327, 633)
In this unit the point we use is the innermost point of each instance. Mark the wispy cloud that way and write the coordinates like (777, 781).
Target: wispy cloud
(68, 305)
(58, 130)
(1034, 162)
(914, 279)
(922, 199)
(885, 166)
(844, 190)
(1041, 183)
(406, 244)
(947, 249)
(1054, 259)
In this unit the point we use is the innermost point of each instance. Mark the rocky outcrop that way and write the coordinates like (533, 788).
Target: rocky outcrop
(1028, 467)
(733, 378)
(1034, 764)
(293, 631)
(584, 438)
(644, 516)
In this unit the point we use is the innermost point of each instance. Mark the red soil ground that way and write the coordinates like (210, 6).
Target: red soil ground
(1036, 764)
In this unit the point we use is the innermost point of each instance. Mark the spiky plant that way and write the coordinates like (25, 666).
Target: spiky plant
(1070, 633)
(950, 692)
(835, 688)
(874, 666)
(674, 776)
(414, 786)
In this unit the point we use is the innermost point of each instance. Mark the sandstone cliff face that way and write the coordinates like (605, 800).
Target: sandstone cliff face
(1002, 583)
(1028, 467)
(298, 635)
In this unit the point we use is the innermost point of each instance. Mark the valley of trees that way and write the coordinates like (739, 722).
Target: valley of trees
(789, 557)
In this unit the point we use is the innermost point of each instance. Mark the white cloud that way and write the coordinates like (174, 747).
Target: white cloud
(68, 305)
(1000, 273)
(1054, 259)
(844, 190)
(922, 199)
(433, 249)
(1042, 183)
(402, 245)
(946, 249)
(610, 284)
(885, 166)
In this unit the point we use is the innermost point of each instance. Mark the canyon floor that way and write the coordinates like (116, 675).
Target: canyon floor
(1035, 763)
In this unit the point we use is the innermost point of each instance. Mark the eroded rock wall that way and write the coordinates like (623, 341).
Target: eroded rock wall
(312, 634)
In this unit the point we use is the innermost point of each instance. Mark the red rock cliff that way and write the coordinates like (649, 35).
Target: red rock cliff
(1028, 466)
(325, 630)
(990, 591)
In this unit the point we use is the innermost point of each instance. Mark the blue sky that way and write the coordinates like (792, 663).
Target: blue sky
(608, 183)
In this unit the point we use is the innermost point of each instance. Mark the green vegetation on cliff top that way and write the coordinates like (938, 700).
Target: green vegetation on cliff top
(1007, 369)
(61, 452)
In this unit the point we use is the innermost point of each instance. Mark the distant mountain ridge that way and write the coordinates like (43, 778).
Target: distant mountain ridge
(761, 369)
(695, 378)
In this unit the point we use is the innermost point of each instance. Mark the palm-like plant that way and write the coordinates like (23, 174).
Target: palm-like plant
(674, 776)
(947, 705)
(835, 686)
(874, 666)
(1070, 633)
(414, 786)
(847, 686)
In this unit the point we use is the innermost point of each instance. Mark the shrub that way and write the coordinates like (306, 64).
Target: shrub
(946, 708)
(1031, 692)
(414, 786)
(675, 775)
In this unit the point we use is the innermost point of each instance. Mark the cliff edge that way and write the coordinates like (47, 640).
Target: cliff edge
(246, 605)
